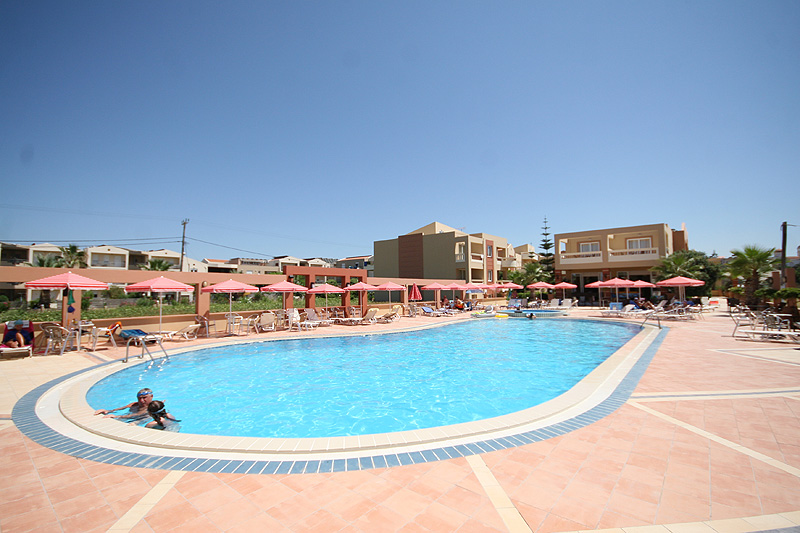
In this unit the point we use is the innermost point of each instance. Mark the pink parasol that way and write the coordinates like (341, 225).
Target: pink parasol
(616, 283)
(389, 287)
(159, 285)
(437, 288)
(511, 285)
(540, 285)
(361, 287)
(326, 289)
(68, 280)
(564, 286)
(681, 282)
(230, 287)
(284, 286)
(641, 284)
(415, 295)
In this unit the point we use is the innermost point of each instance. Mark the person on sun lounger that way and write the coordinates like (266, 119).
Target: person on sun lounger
(18, 337)
(137, 410)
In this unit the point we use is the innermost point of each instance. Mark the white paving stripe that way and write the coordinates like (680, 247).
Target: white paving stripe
(502, 503)
(136, 513)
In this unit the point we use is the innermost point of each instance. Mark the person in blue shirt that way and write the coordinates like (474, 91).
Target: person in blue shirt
(18, 337)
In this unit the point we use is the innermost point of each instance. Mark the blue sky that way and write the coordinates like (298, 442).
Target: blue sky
(316, 128)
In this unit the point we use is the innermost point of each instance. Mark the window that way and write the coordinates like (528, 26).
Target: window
(590, 247)
(490, 276)
(638, 244)
(489, 251)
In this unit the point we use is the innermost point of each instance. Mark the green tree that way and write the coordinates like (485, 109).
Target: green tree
(157, 264)
(46, 261)
(530, 273)
(546, 257)
(72, 257)
(752, 263)
(690, 264)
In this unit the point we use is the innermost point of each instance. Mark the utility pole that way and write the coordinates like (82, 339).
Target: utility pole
(783, 256)
(183, 240)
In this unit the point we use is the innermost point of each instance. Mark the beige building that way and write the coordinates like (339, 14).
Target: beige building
(437, 251)
(629, 253)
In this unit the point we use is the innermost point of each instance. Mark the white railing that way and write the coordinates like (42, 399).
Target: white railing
(460, 258)
(510, 263)
(574, 258)
(633, 254)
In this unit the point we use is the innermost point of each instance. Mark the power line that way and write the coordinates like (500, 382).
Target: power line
(229, 247)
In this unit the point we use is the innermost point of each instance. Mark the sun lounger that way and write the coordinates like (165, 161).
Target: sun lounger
(427, 311)
(311, 313)
(615, 309)
(267, 322)
(188, 333)
(22, 350)
(771, 334)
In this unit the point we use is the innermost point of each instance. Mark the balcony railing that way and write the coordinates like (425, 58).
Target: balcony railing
(575, 258)
(637, 254)
(460, 258)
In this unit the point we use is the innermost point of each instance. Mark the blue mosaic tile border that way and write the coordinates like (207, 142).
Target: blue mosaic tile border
(25, 418)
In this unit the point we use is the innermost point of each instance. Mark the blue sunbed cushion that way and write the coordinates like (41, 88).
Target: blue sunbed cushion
(128, 333)
(615, 306)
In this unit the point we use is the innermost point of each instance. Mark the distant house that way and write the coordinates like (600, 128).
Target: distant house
(107, 257)
(220, 265)
(360, 261)
(437, 251)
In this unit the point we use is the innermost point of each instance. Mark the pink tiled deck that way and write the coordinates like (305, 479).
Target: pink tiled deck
(670, 455)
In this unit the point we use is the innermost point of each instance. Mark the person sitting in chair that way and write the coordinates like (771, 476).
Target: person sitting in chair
(18, 337)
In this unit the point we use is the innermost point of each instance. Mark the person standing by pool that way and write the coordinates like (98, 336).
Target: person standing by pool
(161, 418)
(136, 410)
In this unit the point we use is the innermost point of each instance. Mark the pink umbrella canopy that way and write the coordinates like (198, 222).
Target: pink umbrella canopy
(681, 282)
(284, 286)
(326, 288)
(361, 286)
(435, 286)
(641, 284)
(389, 287)
(230, 287)
(540, 285)
(564, 286)
(159, 285)
(616, 283)
(511, 285)
(415, 295)
(68, 280)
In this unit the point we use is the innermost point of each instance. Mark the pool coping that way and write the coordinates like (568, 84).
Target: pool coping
(600, 393)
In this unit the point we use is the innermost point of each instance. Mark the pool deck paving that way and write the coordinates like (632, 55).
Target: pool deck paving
(708, 441)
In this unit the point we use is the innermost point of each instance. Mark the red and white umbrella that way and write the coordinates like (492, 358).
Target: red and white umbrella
(414, 295)
(389, 287)
(616, 283)
(564, 286)
(231, 286)
(159, 285)
(681, 282)
(67, 280)
(326, 289)
(437, 288)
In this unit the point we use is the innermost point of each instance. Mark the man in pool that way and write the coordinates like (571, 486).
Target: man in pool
(136, 410)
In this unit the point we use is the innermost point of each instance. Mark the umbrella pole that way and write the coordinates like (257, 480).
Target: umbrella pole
(160, 310)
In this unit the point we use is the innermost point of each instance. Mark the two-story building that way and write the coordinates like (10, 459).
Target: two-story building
(437, 251)
(586, 256)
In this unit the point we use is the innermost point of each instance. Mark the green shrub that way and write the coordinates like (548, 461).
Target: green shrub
(788, 292)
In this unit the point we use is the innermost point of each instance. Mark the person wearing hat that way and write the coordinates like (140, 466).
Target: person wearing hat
(137, 411)
(18, 337)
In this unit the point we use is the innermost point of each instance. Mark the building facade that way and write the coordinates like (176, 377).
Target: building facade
(629, 253)
(437, 251)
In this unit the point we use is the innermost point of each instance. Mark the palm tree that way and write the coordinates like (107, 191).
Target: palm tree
(157, 264)
(72, 257)
(752, 263)
(46, 261)
(678, 264)
(530, 273)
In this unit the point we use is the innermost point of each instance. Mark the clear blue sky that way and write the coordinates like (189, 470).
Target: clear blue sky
(316, 128)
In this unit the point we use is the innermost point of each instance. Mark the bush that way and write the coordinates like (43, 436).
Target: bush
(788, 292)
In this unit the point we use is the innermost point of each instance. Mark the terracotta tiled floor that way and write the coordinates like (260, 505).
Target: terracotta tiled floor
(685, 448)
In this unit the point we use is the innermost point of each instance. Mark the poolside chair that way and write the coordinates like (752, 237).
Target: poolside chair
(107, 333)
(369, 316)
(234, 322)
(390, 316)
(615, 309)
(57, 337)
(22, 350)
(427, 311)
(206, 324)
(266, 323)
(311, 313)
(250, 323)
(188, 333)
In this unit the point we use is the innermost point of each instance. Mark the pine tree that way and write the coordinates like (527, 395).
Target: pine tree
(546, 257)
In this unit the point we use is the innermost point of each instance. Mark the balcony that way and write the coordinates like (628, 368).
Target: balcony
(580, 258)
(637, 254)
(510, 263)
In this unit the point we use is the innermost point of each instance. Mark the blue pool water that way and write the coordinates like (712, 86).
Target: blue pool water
(371, 384)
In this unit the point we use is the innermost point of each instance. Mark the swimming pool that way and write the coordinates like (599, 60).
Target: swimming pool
(371, 384)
